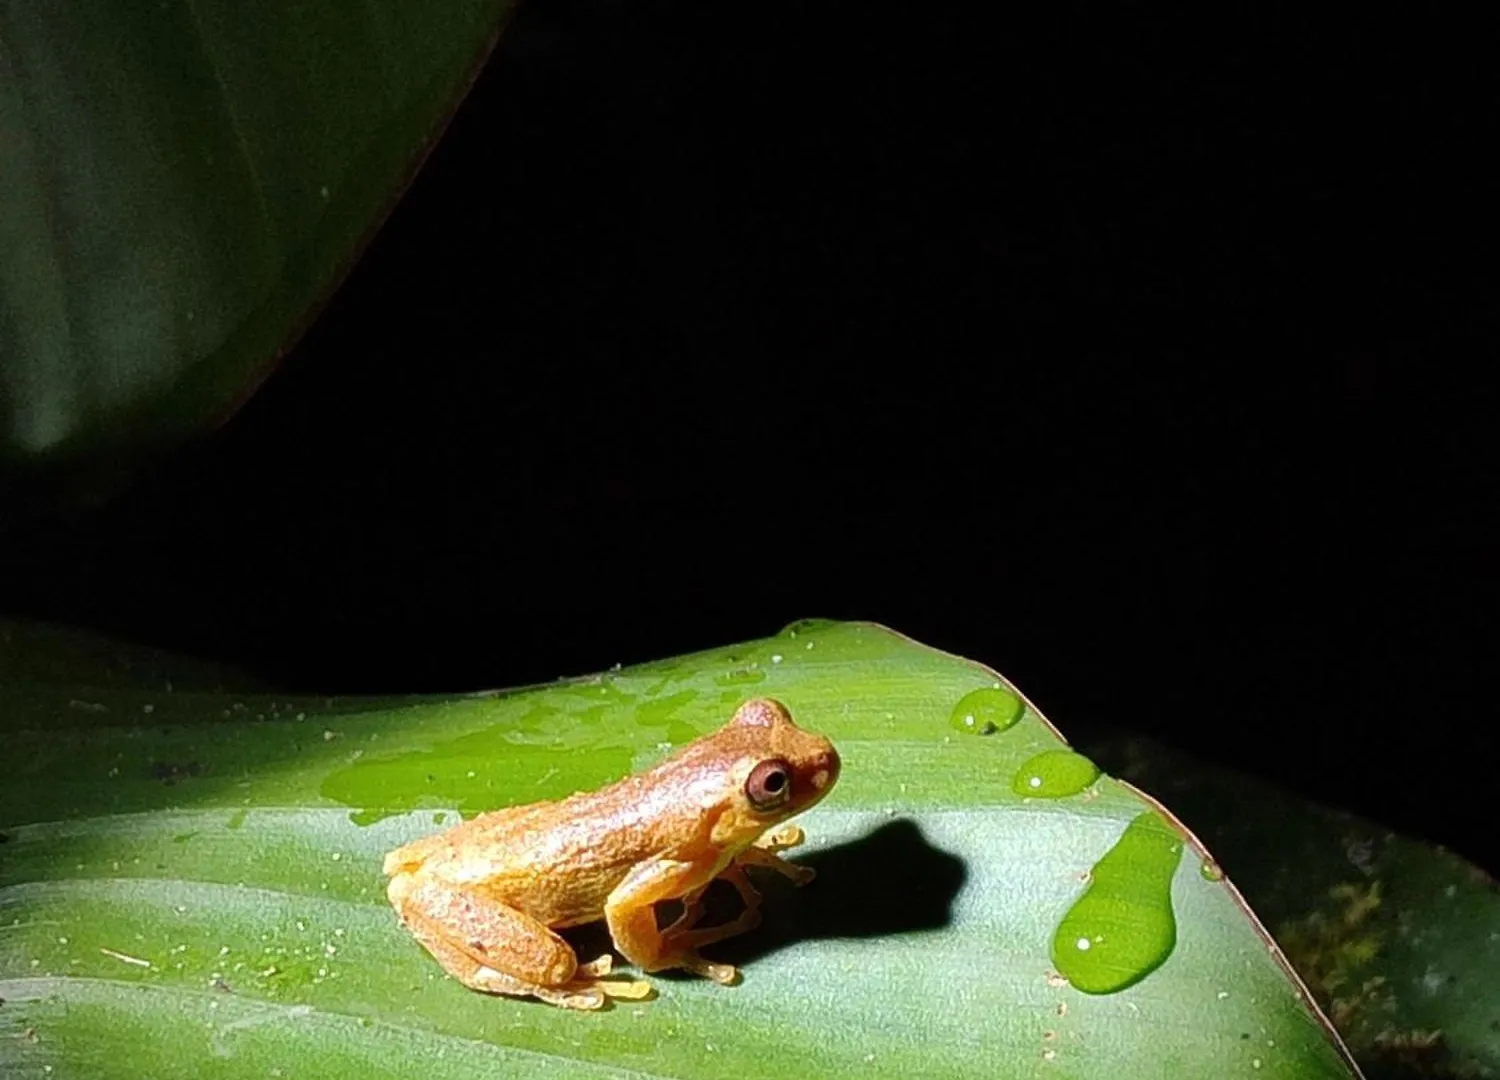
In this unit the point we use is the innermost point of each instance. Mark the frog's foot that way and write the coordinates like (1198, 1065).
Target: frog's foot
(590, 995)
(579, 994)
(586, 991)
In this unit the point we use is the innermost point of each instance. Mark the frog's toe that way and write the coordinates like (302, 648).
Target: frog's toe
(600, 965)
(782, 837)
(627, 989)
(587, 997)
(800, 873)
(723, 974)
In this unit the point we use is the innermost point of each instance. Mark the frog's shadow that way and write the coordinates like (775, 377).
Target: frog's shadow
(890, 881)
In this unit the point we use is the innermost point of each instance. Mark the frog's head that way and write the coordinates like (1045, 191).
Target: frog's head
(777, 771)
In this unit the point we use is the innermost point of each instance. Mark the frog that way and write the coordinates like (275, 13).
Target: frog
(487, 897)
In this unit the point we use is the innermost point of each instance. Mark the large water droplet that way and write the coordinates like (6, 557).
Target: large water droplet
(986, 711)
(1122, 928)
(1054, 774)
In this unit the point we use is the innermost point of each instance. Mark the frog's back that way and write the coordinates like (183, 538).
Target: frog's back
(556, 861)
(447, 848)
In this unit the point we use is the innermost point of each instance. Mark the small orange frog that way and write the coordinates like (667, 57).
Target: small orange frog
(486, 896)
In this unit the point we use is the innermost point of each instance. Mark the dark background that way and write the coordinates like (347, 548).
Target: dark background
(1143, 360)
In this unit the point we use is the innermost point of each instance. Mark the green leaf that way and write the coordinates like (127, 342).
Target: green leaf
(183, 182)
(197, 890)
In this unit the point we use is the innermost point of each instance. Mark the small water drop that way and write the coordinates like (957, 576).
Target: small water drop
(1054, 774)
(986, 711)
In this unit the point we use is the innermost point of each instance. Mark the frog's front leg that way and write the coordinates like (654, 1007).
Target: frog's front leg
(492, 947)
(764, 853)
(630, 912)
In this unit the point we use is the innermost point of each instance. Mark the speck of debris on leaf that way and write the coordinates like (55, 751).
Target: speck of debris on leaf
(169, 772)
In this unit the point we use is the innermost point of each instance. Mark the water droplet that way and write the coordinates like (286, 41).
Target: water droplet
(1210, 871)
(986, 711)
(1122, 928)
(1054, 774)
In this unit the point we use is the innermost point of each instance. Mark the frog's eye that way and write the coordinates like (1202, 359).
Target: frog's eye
(769, 784)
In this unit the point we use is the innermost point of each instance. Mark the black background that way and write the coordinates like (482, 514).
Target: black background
(1144, 358)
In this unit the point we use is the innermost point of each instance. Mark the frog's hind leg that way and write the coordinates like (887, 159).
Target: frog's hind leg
(492, 947)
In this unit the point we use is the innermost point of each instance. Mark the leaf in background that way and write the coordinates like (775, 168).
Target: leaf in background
(183, 182)
(197, 890)
(1399, 941)
(34, 653)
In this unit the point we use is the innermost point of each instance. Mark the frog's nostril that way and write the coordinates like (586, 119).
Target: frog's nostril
(827, 771)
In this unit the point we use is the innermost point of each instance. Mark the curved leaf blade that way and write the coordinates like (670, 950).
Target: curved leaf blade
(924, 947)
